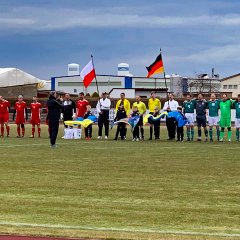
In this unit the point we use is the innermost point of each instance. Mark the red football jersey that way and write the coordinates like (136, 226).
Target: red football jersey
(20, 109)
(4, 107)
(35, 110)
(81, 107)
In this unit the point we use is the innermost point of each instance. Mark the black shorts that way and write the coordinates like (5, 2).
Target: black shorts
(201, 121)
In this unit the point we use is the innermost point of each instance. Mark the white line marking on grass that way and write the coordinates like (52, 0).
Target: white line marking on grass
(42, 144)
(133, 230)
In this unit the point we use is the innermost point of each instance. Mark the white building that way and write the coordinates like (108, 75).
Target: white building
(112, 84)
(231, 85)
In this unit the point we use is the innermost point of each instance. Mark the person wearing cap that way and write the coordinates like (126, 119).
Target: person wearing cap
(141, 109)
(126, 105)
(54, 110)
(103, 107)
(171, 105)
(153, 103)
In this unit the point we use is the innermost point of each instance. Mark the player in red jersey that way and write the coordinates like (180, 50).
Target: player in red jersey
(21, 112)
(4, 115)
(36, 108)
(81, 105)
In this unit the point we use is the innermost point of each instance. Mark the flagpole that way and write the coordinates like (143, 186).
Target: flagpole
(95, 77)
(165, 81)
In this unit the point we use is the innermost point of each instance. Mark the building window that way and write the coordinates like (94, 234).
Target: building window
(224, 86)
(230, 86)
(75, 90)
(235, 86)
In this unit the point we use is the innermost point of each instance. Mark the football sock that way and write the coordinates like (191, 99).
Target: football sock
(2, 130)
(218, 133)
(192, 133)
(206, 133)
(39, 132)
(18, 131)
(199, 133)
(188, 133)
(23, 131)
(229, 134)
(33, 130)
(210, 133)
(8, 130)
(237, 134)
(222, 134)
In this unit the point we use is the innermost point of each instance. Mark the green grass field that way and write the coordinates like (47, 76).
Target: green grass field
(120, 189)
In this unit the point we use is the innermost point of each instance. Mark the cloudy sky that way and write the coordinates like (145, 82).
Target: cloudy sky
(43, 36)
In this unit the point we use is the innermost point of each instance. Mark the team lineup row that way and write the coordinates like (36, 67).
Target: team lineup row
(81, 108)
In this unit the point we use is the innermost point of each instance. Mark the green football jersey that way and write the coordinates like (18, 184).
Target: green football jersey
(213, 107)
(236, 106)
(225, 108)
(189, 106)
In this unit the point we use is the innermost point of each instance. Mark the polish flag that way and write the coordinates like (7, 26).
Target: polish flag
(88, 74)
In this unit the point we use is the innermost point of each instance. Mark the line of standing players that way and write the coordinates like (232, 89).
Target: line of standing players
(82, 108)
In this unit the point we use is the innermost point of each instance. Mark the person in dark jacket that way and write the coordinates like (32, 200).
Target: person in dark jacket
(69, 108)
(121, 127)
(54, 107)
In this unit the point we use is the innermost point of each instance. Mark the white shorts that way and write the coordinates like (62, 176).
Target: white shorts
(190, 117)
(237, 122)
(213, 121)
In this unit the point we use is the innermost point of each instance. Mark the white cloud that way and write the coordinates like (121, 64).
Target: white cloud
(227, 53)
(41, 19)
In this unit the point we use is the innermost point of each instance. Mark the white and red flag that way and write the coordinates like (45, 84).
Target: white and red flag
(88, 74)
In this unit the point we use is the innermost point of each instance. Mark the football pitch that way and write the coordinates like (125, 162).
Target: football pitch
(119, 189)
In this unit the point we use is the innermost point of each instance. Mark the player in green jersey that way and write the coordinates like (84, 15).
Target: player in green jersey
(225, 120)
(213, 118)
(188, 110)
(236, 105)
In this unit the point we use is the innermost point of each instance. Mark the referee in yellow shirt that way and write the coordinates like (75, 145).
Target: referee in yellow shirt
(125, 103)
(153, 102)
(141, 109)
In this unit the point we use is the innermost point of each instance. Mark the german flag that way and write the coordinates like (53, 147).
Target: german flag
(156, 67)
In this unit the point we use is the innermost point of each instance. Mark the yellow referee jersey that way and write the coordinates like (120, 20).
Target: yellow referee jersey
(126, 105)
(152, 103)
(141, 107)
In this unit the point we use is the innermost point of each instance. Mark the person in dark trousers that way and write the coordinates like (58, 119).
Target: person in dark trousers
(54, 107)
(171, 105)
(121, 127)
(156, 124)
(180, 133)
(88, 130)
(135, 112)
(103, 107)
(201, 111)
(69, 108)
